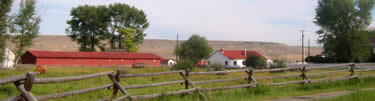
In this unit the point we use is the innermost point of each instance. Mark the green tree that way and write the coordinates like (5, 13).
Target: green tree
(343, 24)
(255, 61)
(184, 65)
(194, 49)
(124, 16)
(128, 40)
(5, 6)
(25, 26)
(88, 26)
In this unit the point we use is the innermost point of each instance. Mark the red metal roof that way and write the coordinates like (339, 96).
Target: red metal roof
(239, 54)
(202, 63)
(91, 55)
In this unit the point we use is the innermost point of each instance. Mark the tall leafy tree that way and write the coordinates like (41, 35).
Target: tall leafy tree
(194, 49)
(88, 26)
(125, 16)
(25, 26)
(128, 41)
(255, 61)
(5, 6)
(343, 24)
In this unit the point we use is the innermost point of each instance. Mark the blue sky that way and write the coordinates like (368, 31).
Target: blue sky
(234, 20)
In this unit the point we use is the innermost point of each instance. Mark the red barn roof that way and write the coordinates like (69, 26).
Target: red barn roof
(91, 55)
(239, 54)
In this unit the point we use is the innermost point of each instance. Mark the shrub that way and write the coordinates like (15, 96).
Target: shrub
(217, 67)
(257, 62)
(184, 65)
(277, 63)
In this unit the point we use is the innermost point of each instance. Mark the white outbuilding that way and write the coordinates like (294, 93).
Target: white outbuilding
(168, 62)
(8, 60)
(231, 58)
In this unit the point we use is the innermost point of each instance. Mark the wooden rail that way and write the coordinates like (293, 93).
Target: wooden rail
(68, 79)
(12, 79)
(24, 83)
(153, 85)
(150, 74)
(58, 95)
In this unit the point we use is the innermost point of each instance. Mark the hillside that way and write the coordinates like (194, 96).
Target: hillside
(164, 48)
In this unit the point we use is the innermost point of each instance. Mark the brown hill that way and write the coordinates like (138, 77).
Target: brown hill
(164, 48)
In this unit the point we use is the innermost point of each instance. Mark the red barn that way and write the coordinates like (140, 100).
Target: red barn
(62, 58)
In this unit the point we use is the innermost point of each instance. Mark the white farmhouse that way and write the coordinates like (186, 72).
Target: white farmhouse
(231, 58)
(8, 60)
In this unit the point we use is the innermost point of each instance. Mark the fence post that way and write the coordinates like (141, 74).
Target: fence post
(303, 75)
(115, 88)
(116, 84)
(250, 77)
(188, 81)
(351, 70)
(25, 89)
(187, 76)
(29, 81)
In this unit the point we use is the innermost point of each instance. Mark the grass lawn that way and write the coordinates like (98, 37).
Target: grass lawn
(258, 93)
(356, 96)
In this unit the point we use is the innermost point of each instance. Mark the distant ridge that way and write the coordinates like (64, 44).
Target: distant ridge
(164, 48)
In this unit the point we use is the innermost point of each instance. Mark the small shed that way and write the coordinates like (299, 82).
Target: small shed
(168, 62)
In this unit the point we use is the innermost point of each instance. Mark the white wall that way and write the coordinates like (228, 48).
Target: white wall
(219, 58)
(171, 62)
(239, 63)
(8, 60)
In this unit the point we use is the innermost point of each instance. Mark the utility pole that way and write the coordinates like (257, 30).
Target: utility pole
(177, 59)
(308, 51)
(303, 47)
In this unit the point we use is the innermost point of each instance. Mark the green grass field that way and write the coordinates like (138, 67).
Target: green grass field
(258, 93)
(356, 96)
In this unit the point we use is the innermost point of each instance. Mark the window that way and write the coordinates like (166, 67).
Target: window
(234, 62)
(226, 62)
(243, 63)
(154, 60)
(208, 62)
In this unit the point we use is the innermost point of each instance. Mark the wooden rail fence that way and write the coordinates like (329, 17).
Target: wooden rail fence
(24, 83)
